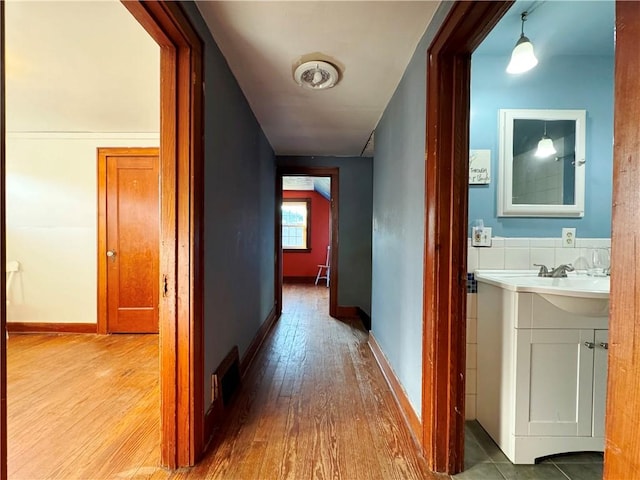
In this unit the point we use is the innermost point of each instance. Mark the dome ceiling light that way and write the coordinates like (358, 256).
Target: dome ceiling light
(316, 75)
(522, 58)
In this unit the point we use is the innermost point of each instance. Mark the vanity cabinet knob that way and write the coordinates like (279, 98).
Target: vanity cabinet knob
(604, 345)
(589, 345)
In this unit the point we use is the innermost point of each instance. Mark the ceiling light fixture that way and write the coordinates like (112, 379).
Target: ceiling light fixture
(522, 58)
(316, 75)
(545, 145)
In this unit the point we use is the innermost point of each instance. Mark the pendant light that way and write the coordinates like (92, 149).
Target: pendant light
(545, 145)
(522, 57)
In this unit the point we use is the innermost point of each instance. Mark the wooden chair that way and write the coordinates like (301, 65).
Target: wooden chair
(326, 268)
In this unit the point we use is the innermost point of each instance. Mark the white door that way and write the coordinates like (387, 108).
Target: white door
(554, 382)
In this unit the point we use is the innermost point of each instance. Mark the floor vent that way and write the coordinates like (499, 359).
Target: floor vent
(224, 383)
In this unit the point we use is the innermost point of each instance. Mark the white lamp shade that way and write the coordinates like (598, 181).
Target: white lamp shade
(545, 148)
(522, 57)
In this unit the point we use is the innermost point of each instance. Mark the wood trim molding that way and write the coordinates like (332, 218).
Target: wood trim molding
(28, 327)
(622, 442)
(103, 154)
(299, 280)
(446, 202)
(346, 312)
(408, 413)
(181, 229)
(258, 340)
(3, 258)
(365, 317)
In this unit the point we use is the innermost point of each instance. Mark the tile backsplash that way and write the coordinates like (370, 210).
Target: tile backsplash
(517, 254)
(523, 253)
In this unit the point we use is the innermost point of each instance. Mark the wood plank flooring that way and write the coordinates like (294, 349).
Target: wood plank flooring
(82, 406)
(314, 406)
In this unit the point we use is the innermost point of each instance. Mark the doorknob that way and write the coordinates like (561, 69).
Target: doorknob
(589, 345)
(111, 253)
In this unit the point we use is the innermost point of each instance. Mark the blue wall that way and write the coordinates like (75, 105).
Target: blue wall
(398, 222)
(239, 212)
(354, 215)
(561, 82)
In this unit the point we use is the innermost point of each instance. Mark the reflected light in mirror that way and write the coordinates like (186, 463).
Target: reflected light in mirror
(545, 148)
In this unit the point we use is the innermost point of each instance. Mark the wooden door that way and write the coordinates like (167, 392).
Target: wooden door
(129, 240)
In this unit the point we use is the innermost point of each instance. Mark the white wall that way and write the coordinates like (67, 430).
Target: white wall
(52, 222)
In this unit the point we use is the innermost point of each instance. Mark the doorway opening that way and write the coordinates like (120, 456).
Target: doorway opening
(307, 230)
(181, 230)
(54, 133)
(528, 197)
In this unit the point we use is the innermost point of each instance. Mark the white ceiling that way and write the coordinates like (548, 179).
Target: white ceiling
(80, 67)
(370, 41)
(102, 73)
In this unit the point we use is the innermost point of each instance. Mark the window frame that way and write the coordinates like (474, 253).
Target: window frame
(307, 201)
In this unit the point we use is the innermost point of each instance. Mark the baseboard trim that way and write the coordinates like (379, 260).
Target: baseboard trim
(366, 319)
(258, 340)
(214, 413)
(410, 417)
(28, 327)
(301, 280)
(346, 312)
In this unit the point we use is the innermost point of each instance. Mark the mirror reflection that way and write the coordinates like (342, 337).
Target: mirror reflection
(543, 162)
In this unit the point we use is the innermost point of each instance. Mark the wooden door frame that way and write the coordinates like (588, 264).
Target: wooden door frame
(622, 448)
(446, 204)
(181, 229)
(3, 252)
(334, 174)
(103, 153)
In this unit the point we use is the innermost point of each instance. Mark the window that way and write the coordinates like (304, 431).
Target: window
(296, 224)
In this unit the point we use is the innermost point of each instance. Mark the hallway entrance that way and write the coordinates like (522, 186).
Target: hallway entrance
(307, 230)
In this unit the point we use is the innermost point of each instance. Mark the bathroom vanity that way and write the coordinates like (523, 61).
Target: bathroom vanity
(542, 362)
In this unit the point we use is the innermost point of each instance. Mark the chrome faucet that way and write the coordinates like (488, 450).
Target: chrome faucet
(544, 271)
(561, 270)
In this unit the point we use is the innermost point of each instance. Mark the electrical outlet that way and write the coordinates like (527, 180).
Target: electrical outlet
(481, 237)
(569, 237)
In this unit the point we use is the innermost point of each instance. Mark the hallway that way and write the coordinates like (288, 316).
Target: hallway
(315, 405)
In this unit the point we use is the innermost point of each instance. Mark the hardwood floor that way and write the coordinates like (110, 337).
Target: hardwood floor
(82, 406)
(313, 406)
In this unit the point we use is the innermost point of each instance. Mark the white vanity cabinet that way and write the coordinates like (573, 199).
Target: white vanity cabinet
(541, 382)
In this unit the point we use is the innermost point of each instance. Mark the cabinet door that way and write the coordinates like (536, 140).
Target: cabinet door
(554, 382)
(600, 381)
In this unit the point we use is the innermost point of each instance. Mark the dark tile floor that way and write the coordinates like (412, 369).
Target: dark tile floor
(484, 460)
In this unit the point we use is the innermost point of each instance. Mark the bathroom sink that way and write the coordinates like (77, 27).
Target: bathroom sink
(574, 285)
(592, 307)
(579, 294)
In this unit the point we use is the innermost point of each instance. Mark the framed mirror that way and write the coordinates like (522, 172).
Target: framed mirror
(541, 171)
